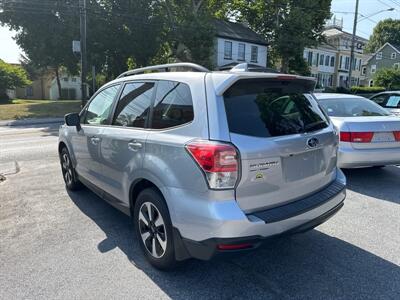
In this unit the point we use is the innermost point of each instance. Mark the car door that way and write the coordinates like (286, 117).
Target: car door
(123, 143)
(86, 142)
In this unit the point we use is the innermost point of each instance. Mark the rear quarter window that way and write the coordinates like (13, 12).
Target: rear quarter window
(271, 107)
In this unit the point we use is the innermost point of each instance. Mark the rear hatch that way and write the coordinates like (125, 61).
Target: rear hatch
(287, 148)
(377, 132)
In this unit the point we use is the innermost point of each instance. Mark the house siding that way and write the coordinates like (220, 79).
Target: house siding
(385, 62)
(220, 59)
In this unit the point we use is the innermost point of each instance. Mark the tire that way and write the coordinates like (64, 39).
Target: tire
(154, 231)
(68, 171)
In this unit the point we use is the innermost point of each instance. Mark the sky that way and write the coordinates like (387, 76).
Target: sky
(10, 52)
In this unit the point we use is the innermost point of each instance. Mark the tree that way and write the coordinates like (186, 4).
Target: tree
(189, 30)
(45, 31)
(12, 77)
(288, 25)
(386, 31)
(388, 78)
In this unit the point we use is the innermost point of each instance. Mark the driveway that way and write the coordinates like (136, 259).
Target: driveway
(60, 245)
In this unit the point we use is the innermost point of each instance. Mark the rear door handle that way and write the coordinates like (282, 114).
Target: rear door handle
(135, 146)
(95, 140)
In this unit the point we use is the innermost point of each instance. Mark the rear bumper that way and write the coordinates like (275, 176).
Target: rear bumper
(355, 158)
(254, 229)
(207, 249)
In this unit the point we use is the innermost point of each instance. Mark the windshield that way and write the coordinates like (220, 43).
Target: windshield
(352, 107)
(271, 107)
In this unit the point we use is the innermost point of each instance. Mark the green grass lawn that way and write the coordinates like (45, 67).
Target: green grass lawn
(22, 109)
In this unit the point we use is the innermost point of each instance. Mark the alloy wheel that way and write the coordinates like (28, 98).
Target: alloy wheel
(152, 229)
(67, 169)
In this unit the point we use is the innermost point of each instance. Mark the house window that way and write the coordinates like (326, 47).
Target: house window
(327, 60)
(254, 53)
(396, 66)
(65, 79)
(73, 79)
(341, 62)
(393, 55)
(321, 60)
(347, 63)
(373, 69)
(332, 61)
(379, 55)
(228, 50)
(354, 64)
(371, 83)
(364, 69)
(241, 51)
(310, 58)
(317, 61)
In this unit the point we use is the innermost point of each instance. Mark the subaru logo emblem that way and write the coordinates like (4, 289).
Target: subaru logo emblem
(313, 142)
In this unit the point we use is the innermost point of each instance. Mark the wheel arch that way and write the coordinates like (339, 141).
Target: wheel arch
(139, 185)
(61, 145)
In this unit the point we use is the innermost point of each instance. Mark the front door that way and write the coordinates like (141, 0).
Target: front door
(123, 143)
(87, 141)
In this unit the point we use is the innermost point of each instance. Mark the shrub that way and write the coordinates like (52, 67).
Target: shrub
(388, 77)
(367, 89)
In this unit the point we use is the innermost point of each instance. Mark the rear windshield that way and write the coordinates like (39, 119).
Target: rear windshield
(271, 107)
(352, 107)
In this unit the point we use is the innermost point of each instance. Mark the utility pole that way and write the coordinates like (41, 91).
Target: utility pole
(353, 39)
(83, 49)
(94, 79)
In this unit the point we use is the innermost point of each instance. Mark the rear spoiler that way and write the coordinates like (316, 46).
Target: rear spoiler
(222, 83)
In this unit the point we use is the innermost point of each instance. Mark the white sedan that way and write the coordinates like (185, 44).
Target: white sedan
(369, 134)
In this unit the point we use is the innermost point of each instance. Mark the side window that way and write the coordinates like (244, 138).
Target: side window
(99, 108)
(134, 105)
(393, 101)
(381, 99)
(173, 105)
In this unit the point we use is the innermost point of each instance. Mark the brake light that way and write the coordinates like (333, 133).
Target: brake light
(356, 137)
(397, 135)
(218, 161)
(234, 246)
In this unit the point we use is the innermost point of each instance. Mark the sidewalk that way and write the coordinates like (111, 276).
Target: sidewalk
(28, 122)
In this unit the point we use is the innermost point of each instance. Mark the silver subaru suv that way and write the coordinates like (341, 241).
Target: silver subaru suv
(206, 163)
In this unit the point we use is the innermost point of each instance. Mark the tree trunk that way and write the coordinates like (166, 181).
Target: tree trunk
(285, 65)
(58, 83)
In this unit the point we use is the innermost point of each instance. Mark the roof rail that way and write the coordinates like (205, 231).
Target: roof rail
(165, 67)
(243, 67)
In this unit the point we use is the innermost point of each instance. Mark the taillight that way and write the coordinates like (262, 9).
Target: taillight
(356, 137)
(218, 161)
(397, 135)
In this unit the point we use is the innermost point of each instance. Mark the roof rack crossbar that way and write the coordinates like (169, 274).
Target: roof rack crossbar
(165, 67)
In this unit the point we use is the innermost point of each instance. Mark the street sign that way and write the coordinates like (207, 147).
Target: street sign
(76, 46)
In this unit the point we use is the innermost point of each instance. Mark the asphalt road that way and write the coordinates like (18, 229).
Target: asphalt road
(60, 245)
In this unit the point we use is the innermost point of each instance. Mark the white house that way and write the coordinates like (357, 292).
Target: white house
(322, 61)
(70, 87)
(236, 43)
(330, 61)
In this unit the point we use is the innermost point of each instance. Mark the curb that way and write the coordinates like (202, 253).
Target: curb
(27, 122)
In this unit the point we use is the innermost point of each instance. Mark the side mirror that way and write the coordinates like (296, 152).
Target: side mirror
(73, 119)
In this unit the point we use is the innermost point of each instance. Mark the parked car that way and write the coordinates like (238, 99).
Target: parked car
(369, 134)
(389, 100)
(204, 162)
